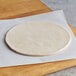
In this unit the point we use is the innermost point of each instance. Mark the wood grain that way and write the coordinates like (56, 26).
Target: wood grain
(37, 69)
(20, 8)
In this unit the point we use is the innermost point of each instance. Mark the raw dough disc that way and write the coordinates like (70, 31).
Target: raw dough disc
(37, 38)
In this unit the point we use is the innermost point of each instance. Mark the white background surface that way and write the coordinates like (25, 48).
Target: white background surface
(69, 8)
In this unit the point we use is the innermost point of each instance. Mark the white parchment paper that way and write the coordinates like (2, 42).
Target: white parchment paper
(10, 58)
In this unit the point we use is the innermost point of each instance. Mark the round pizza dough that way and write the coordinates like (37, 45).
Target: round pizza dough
(37, 38)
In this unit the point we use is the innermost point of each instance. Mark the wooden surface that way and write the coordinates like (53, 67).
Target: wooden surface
(37, 69)
(22, 8)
